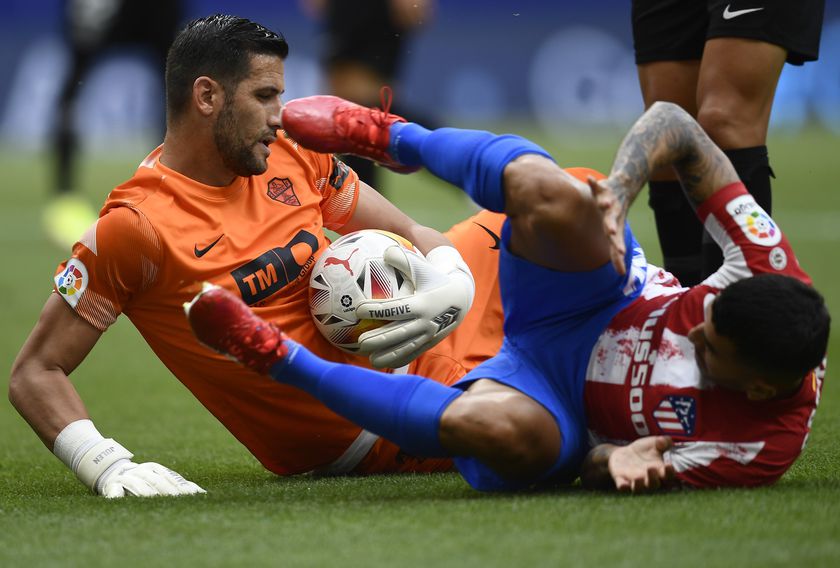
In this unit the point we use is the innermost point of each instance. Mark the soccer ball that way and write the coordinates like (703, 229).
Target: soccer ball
(349, 272)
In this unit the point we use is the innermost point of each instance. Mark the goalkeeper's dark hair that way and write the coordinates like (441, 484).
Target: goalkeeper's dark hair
(779, 325)
(219, 47)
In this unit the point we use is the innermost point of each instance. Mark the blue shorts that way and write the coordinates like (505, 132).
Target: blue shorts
(552, 321)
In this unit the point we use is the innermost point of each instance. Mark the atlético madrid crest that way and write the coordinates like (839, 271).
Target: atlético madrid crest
(282, 190)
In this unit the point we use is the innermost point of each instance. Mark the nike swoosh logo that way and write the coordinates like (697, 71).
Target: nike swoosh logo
(201, 252)
(496, 240)
(728, 15)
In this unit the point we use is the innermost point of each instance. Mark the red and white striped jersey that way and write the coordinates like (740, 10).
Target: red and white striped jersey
(643, 379)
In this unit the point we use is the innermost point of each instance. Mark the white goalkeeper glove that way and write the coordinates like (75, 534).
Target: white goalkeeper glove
(443, 293)
(105, 466)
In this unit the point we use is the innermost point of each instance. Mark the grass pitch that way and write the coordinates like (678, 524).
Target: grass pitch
(250, 517)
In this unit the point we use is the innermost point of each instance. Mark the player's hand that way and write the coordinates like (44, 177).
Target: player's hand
(613, 203)
(144, 480)
(105, 466)
(443, 293)
(640, 467)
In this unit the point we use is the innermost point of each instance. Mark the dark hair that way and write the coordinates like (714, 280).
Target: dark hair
(220, 47)
(778, 325)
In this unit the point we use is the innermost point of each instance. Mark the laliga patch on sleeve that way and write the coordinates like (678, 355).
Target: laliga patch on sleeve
(754, 221)
(73, 281)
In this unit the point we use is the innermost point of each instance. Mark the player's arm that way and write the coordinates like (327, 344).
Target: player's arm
(42, 393)
(68, 328)
(636, 467)
(39, 388)
(366, 209)
(665, 135)
(444, 286)
(373, 211)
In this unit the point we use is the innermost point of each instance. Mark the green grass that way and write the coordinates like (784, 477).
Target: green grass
(251, 517)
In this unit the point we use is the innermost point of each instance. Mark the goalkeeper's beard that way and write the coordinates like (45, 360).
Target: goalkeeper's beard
(237, 155)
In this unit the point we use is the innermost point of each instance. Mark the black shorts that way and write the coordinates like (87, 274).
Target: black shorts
(676, 30)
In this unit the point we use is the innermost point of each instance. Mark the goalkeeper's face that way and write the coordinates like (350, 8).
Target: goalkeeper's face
(248, 121)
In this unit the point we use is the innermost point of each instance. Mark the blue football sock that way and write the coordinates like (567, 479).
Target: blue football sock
(405, 409)
(473, 160)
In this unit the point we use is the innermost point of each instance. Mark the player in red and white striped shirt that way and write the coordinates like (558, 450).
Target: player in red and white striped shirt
(720, 380)
(657, 368)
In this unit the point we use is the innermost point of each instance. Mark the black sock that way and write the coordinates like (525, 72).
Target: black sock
(679, 229)
(753, 167)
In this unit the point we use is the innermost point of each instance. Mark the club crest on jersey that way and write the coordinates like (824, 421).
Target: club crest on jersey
(675, 415)
(754, 221)
(73, 281)
(778, 258)
(282, 190)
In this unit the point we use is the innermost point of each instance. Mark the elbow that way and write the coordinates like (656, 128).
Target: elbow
(665, 107)
(662, 106)
(673, 117)
(17, 384)
(20, 382)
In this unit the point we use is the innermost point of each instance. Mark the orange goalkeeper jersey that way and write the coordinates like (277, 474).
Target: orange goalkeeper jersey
(160, 235)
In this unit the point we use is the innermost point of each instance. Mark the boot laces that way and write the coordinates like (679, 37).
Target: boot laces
(386, 97)
(377, 116)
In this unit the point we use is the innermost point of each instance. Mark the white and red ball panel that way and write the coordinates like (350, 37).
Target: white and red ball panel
(349, 272)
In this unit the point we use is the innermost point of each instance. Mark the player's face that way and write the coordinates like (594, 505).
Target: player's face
(718, 361)
(249, 120)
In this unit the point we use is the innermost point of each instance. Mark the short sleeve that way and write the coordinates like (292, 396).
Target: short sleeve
(339, 188)
(734, 464)
(748, 445)
(116, 259)
(752, 242)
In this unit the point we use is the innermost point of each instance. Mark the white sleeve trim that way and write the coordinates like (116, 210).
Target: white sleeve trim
(735, 266)
(689, 455)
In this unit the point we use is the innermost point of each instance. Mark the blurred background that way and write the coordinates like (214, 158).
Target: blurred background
(561, 73)
(553, 64)
(558, 72)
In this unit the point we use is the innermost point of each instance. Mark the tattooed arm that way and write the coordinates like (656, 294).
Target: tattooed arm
(665, 135)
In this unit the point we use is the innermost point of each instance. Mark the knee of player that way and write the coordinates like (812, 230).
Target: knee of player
(540, 193)
(527, 448)
(730, 125)
(520, 438)
(716, 117)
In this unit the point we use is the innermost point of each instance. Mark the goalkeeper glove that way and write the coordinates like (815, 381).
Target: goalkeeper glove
(443, 293)
(105, 466)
